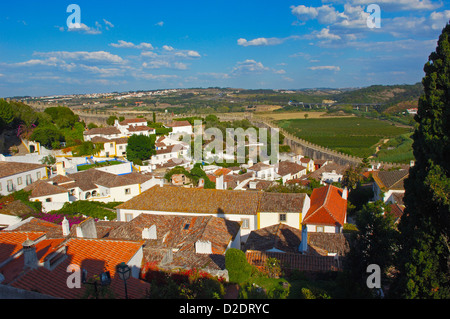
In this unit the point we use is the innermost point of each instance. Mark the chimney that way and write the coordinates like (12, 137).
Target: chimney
(304, 243)
(345, 193)
(149, 233)
(87, 229)
(203, 247)
(65, 227)
(60, 169)
(29, 254)
(219, 182)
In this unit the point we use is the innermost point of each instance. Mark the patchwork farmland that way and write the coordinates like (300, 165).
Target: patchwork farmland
(355, 136)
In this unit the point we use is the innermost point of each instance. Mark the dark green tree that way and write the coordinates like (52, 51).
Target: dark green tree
(49, 136)
(140, 148)
(374, 243)
(6, 114)
(111, 120)
(423, 261)
(62, 117)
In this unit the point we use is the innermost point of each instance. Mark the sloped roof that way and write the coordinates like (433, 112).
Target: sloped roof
(279, 236)
(11, 242)
(179, 124)
(286, 167)
(327, 207)
(94, 255)
(259, 167)
(110, 130)
(392, 180)
(44, 188)
(329, 168)
(12, 168)
(131, 121)
(213, 201)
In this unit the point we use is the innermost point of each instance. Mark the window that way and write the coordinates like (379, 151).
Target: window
(19, 180)
(10, 186)
(29, 180)
(245, 223)
(319, 229)
(128, 217)
(283, 218)
(127, 191)
(48, 200)
(186, 227)
(38, 175)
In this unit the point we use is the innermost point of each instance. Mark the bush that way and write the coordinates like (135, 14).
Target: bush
(239, 270)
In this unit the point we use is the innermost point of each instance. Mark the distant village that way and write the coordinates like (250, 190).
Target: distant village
(173, 223)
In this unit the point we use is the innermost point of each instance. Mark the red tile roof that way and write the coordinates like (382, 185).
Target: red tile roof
(11, 242)
(310, 263)
(94, 255)
(327, 207)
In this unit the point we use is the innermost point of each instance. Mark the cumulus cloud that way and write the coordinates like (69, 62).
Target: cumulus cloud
(249, 66)
(131, 45)
(325, 67)
(93, 56)
(264, 41)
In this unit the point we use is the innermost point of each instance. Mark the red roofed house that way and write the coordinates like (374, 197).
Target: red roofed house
(34, 261)
(328, 210)
(180, 127)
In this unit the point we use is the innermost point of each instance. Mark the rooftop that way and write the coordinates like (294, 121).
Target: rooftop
(213, 201)
(327, 207)
(12, 168)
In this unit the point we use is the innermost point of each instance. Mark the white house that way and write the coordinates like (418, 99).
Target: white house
(15, 176)
(263, 171)
(109, 133)
(175, 152)
(116, 147)
(328, 210)
(102, 186)
(51, 196)
(287, 170)
(254, 209)
(180, 127)
(388, 183)
(134, 126)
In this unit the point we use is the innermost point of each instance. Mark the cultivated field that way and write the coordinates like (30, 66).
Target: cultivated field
(351, 135)
(298, 115)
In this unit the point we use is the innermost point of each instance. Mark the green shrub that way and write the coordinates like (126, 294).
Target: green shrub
(239, 270)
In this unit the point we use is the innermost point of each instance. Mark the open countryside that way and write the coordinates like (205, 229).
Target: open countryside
(361, 137)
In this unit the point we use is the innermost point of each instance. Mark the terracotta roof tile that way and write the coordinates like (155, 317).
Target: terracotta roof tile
(327, 207)
(95, 256)
(12, 168)
(212, 201)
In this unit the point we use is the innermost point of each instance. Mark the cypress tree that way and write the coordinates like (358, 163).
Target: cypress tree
(423, 259)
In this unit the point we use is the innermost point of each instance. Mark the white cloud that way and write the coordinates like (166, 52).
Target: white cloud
(324, 14)
(188, 54)
(160, 23)
(264, 41)
(325, 67)
(108, 24)
(248, 66)
(131, 45)
(83, 28)
(94, 56)
(398, 5)
(168, 48)
(325, 34)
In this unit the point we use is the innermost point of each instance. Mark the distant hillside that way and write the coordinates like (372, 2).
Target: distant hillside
(389, 95)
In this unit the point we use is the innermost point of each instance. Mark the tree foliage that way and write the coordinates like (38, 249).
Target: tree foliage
(140, 148)
(424, 260)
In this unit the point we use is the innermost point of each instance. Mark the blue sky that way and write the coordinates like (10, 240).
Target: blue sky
(146, 45)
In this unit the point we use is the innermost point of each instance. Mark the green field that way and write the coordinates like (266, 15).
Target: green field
(354, 136)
